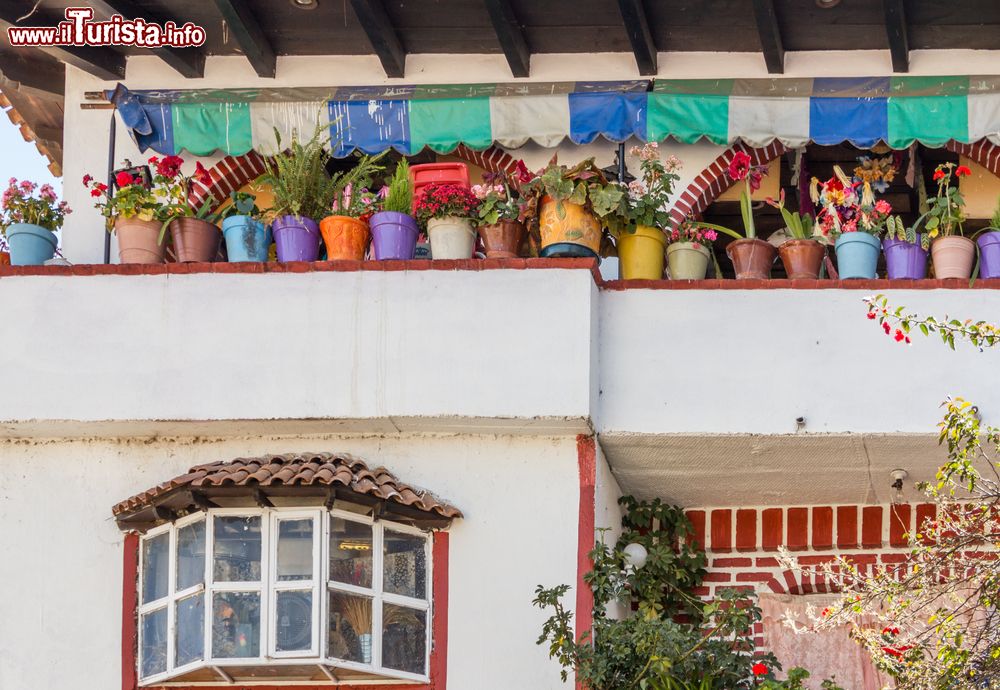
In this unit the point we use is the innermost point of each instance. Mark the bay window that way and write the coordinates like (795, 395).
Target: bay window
(286, 587)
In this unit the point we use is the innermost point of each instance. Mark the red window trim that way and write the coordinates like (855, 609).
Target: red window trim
(439, 627)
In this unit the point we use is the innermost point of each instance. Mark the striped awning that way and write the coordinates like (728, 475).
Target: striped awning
(862, 111)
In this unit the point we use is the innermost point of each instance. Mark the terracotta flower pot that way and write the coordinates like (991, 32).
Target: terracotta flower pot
(4, 259)
(953, 257)
(139, 241)
(345, 237)
(195, 239)
(752, 259)
(574, 231)
(688, 260)
(502, 240)
(802, 258)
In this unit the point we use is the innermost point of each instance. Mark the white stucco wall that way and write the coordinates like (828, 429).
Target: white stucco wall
(386, 349)
(752, 361)
(63, 553)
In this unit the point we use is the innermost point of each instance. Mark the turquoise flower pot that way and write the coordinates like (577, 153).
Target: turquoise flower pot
(30, 245)
(246, 239)
(857, 255)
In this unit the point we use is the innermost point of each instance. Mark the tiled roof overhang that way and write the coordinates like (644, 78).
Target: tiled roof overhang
(316, 477)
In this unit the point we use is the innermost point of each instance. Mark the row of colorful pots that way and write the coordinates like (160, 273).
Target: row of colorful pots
(641, 256)
(391, 235)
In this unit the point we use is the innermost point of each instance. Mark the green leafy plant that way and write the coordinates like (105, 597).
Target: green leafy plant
(298, 176)
(583, 184)
(243, 204)
(133, 199)
(945, 214)
(499, 200)
(800, 226)
(350, 189)
(647, 200)
(671, 640)
(19, 205)
(398, 193)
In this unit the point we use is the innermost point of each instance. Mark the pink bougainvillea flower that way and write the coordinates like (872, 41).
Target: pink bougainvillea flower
(739, 167)
(759, 669)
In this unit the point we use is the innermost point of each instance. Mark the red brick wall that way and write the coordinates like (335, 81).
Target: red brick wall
(742, 544)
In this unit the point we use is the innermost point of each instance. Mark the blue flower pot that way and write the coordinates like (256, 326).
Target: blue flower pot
(30, 245)
(246, 239)
(857, 255)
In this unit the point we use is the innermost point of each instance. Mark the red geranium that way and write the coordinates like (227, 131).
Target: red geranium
(962, 171)
(760, 669)
(939, 174)
(169, 167)
(124, 179)
(201, 173)
(442, 200)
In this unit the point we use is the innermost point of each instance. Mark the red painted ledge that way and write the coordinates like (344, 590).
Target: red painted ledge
(488, 265)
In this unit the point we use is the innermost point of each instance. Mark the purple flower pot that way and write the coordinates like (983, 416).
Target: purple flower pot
(296, 238)
(989, 254)
(905, 260)
(394, 235)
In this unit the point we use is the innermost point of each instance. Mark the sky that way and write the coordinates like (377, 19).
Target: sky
(21, 159)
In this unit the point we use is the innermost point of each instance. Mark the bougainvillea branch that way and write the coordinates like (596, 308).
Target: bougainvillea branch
(898, 324)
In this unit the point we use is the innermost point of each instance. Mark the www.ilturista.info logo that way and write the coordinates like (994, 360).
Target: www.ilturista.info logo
(79, 30)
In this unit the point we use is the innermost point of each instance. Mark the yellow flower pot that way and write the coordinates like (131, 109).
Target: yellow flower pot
(574, 231)
(640, 253)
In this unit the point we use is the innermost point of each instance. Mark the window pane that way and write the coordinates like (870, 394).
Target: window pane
(155, 567)
(404, 639)
(295, 549)
(190, 637)
(191, 555)
(235, 625)
(153, 654)
(350, 552)
(350, 635)
(294, 624)
(405, 569)
(237, 549)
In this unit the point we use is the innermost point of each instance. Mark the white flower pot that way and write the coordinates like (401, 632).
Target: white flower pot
(451, 237)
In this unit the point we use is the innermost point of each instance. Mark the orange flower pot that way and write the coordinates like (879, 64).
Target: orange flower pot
(564, 226)
(4, 259)
(345, 237)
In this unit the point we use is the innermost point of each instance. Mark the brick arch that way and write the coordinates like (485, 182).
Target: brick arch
(492, 159)
(805, 581)
(713, 181)
(984, 152)
(228, 175)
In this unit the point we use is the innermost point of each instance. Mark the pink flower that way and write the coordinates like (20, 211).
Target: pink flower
(12, 182)
(28, 187)
(883, 207)
(739, 167)
(47, 192)
(711, 235)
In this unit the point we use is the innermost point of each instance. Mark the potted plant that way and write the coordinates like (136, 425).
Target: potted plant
(951, 253)
(4, 253)
(905, 251)
(195, 236)
(850, 213)
(29, 222)
(394, 230)
(802, 255)
(638, 232)
(689, 249)
(303, 191)
(132, 213)
(989, 247)
(570, 204)
(447, 211)
(752, 257)
(247, 237)
(345, 233)
(501, 214)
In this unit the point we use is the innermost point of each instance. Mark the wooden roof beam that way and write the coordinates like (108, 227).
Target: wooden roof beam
(899, 39)
(189, 62)
(250, 37)
(770, 35)
(382, 35)
(637, 28)
(511, 36)
(41, 78)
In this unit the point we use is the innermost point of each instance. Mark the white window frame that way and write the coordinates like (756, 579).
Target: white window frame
(268, 587)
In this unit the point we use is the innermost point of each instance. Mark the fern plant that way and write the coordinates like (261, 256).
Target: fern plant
(298, 176)
(348, 197)
(399, 197)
